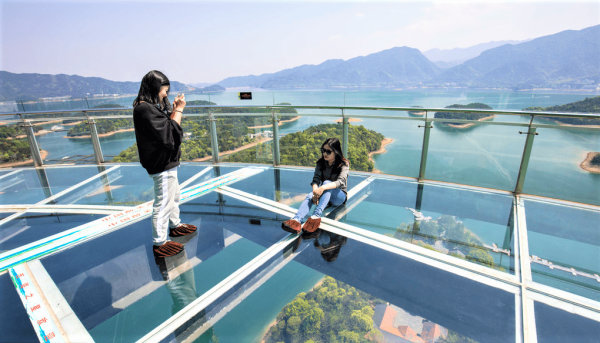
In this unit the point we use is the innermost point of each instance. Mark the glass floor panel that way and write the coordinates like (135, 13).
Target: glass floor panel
(337, 289)
(31, 227)
(30, 186)
(125, 186)
(554, 325)
(472, 225)
(564, 244)
(14, 321)
(121, 289)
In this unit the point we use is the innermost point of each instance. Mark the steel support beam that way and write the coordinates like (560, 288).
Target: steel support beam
(525, 159)
(214, 142)
(425, 149)
(275, 119)
(35, 149)
(96, 142)
(345, 134)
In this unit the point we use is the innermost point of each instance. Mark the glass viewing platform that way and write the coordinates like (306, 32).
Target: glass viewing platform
(480, 225)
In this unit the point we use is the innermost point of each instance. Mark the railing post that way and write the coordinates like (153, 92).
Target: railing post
(35, 149)
(345, 133)
(275, 119)
(526, 155)
(214, 142)
(95, 141)
(425, 148)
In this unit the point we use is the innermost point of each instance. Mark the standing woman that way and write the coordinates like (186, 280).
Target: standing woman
(329, 186)
(158, 134)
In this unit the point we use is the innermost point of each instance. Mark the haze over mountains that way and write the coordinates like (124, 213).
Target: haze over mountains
(567, 60)
(447, 58)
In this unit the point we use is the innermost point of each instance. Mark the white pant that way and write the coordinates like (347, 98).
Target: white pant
(165, 210)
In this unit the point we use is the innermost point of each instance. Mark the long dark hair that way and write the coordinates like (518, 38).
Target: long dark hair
(336, 146)
(149, 89)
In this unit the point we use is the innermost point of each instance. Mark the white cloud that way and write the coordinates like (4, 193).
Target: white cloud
(359, 15)
(335, 37)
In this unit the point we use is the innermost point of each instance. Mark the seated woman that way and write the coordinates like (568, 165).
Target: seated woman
(328, 184)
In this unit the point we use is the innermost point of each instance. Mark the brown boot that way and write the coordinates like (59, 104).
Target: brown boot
(182, 230)
(168, 249)
(311, 224)
(292, 226)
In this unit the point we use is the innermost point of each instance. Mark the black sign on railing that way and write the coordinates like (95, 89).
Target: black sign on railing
(245, 95)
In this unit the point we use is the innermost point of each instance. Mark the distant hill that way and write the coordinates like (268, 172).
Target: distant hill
(446, 58)
(34, 86)
(207, 89)
(396, 67)
(587, 105)
(566, 58)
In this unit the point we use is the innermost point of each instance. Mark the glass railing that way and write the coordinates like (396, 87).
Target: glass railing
(484, 145)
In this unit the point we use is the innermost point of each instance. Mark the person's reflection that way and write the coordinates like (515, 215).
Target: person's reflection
(329, 244)
(178, 274)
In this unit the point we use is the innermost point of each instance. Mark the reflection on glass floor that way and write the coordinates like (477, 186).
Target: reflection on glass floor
(400, 261)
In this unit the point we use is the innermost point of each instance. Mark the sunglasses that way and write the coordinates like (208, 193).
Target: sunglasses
(326, 151)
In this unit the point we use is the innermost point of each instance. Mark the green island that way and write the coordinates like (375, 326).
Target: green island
(234, 131)
(337, 312)
(587, 105)
(302, 148)
(448, 235)
(14, 149)
(465, 115)
(103, 126)
(417, 112)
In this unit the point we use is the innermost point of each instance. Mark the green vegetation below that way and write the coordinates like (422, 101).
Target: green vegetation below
(465, 116)
(14, 150)
(233, 131)
(302, 148)
(335, 312)
(587, 105)
(331, 312)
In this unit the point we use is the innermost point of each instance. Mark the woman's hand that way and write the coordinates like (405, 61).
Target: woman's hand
(317, 194)
(179, 103)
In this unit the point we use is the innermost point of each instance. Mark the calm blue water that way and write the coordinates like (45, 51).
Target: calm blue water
(485, 155)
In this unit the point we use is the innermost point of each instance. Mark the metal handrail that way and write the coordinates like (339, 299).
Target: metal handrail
(373, 108)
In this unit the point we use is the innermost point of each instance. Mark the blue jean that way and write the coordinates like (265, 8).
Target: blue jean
(335, 197)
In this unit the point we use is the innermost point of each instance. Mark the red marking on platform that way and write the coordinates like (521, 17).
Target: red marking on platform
(42, 321)
(136, 215)
(36, 307)
(28, 296)
(20, 276)
(49, 336)
(24, 285)
(125, 219)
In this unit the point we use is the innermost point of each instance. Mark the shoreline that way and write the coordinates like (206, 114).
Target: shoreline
(381, 150)
(586, 164)
(43, 154)
(281, 122)
(229, 152)
(274, 322)
(464, 126)
(350, 120)
(101, 134)
(573, 125)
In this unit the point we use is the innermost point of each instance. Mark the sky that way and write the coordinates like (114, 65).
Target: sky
(207, 41)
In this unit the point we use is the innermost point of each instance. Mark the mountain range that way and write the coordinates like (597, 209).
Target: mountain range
(565, 60)
(447, 58)
(34, 86)
(568, 59)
